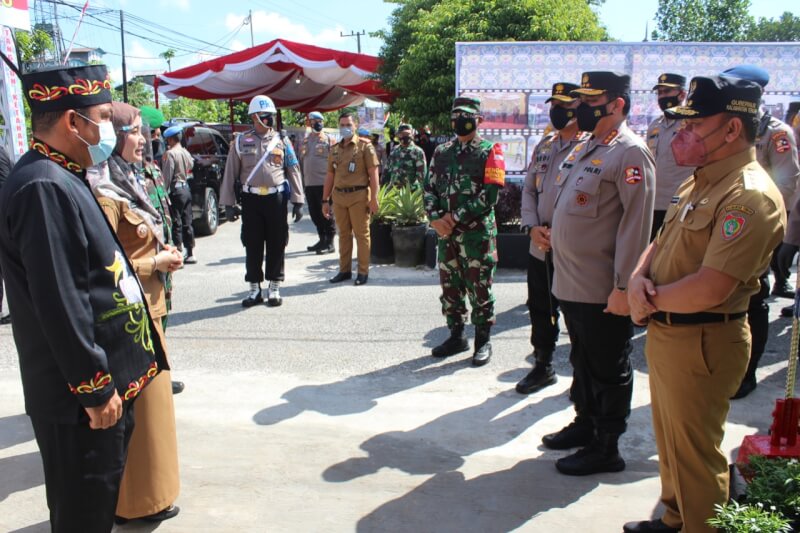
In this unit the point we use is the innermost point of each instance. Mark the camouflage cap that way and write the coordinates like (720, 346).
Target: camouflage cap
(404, 127)
(467, 103)
(561, 92)
(672, 81)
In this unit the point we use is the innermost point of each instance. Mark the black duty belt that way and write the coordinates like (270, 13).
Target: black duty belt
(351, 189)
(695, 318)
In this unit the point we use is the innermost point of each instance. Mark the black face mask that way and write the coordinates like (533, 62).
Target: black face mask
(464, 126)
(589, 116)
(317, 126)
(665, 102)
(560, 116)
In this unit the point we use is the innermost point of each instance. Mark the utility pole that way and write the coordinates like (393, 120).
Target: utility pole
(357, 35)
(250, 21)
(124, 73)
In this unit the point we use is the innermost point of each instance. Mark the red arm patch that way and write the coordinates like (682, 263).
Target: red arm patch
(495, 171)
(633, 175)
(781, 142)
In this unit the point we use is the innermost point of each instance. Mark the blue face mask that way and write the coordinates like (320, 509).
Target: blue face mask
(108, 139)
(345, 133)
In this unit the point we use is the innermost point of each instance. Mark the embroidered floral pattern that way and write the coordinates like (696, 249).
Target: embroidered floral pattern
(136, 386)
(55, 156)
(97, 383)
(81, 87)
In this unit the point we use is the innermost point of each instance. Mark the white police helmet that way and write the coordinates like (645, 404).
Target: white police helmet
(261, 104)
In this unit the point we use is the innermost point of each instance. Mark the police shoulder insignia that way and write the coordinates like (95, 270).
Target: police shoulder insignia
(610, 137)
(495, 170)
(633, 175)
(733, 225)
(737, 207)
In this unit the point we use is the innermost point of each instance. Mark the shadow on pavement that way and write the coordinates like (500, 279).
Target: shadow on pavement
(218, 311)
(15, 429)
(496, 502)
(357, 394)
(228, 261)
(19, 473)
(41, 527)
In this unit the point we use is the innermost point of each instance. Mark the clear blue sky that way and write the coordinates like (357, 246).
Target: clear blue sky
(317, 22)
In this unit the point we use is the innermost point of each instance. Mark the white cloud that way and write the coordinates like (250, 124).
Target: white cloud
(269, 25)
(183, 5)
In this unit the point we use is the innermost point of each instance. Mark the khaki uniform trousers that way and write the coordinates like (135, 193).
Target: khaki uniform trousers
(694, 370)
(351, 211)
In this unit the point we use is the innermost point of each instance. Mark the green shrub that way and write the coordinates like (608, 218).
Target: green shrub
(408, 208)
(775, 484)
(736, 518)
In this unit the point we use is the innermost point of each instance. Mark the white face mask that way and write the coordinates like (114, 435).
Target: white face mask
(108, 139)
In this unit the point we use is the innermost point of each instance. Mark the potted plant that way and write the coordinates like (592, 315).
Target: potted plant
(734, 517)
(773, 483)
(512, 245)
(380, 228)
(410, 225)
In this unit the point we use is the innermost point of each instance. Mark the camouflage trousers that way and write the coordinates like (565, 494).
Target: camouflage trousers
(467, 262)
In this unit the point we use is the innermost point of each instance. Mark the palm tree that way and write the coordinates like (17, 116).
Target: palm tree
(168, 55)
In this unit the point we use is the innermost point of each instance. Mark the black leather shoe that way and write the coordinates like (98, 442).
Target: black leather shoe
(574, 435)
(540, 377)
(341, 276)
(649, 526)
(747, 386)
(782, 289)
(593, 459)
(327, 249)
(787, 311)
(170, 512)
(120, 520)
(5, 320)
(315, 247)
(455, 343)
(361, 279)
(177, 387)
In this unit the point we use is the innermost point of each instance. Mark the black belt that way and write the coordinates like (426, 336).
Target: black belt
(351, 189)
(695, 318)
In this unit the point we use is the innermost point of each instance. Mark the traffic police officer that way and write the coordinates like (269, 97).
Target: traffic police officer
(314, 152)
(407, 164)
(777, 154)
(694, 282)
(671, 93)
(267, 168)
(177, 164)
(601, 223)
(352, 184)
(538, 201)
(461, 190)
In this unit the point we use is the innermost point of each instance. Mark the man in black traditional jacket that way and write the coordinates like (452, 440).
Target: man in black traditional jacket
(81, 325)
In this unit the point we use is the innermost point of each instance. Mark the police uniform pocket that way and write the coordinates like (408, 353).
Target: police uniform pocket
(585, 197)
(697, 220)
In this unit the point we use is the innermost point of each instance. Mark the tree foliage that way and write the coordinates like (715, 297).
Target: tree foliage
(34, 46)
(720, 21)
(419, 48)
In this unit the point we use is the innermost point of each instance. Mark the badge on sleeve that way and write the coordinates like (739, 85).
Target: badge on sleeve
(633, 175)
(781, 142)
(141, 231)
(495, 170)
(733, 225)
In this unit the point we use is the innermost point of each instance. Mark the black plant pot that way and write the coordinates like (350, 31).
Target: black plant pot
(512, 250)
(431, 248)
(381, 250)
(409, 245)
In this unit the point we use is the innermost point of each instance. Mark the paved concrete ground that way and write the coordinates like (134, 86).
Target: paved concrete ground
(327, 414)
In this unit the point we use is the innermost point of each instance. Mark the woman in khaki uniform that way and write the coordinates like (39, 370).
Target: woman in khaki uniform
(150, 483)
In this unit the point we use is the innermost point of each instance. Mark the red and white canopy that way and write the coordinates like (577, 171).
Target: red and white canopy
(296, 76)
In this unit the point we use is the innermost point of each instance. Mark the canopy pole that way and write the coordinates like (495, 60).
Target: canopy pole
(155, 89)
(230, 104)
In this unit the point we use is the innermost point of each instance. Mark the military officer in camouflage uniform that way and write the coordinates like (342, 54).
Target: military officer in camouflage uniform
(407, 164)
(601, 224)
(461, 190)
(776, 152)
(671, 91)
(538, 201)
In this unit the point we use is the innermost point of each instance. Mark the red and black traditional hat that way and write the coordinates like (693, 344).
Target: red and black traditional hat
(67, 88)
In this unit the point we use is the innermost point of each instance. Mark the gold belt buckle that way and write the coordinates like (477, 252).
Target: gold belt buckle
(263, 191)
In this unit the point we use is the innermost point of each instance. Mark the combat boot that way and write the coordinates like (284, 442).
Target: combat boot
(601, 455)
(316, 246)
(542, 374)
(326, 245)
(455, 343)
(579, 432)
(483, 346)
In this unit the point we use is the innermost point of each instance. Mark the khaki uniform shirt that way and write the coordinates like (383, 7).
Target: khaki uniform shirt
(776, 150)
(246, 151)
(669, 175)
(176, 165)
(360, 153)
(539, 190)
(728, 216)
(314, 152)
(603, 214)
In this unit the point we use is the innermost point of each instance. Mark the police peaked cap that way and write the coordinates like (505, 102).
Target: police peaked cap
(712, 95)
(600, 81)
(67, 88)
(672, 81)
(561, 92)
(749, 72)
